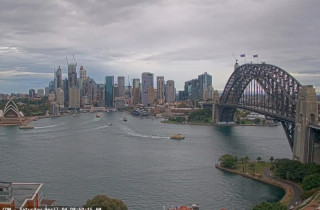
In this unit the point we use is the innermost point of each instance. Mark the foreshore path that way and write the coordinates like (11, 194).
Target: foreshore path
(292, 195)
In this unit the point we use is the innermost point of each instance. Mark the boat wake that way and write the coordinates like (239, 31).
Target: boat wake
(49, 126)
(133, 133)
(105, 126)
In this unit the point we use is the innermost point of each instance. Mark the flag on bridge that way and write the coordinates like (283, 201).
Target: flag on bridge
(255, 56)
(243, 55)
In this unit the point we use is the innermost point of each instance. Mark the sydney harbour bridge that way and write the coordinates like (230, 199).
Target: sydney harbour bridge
(273, 92)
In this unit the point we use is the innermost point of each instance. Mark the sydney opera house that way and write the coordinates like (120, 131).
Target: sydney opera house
(11, 115)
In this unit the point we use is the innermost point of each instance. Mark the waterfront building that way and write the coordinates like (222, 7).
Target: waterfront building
(147, 81)
(121, 86)
(22, 196)
(150, 95)
(11, 114)
(170, 91)
(32, 93)
(109, 91)
(136, 91)
(160, 90)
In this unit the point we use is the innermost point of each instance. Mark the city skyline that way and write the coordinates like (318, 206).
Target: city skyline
(177, 40)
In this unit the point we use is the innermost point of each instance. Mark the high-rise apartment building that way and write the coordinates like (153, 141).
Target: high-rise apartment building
(121, 86)
(160, 90)
(147, 81)
(136, 91)
(170, 91)
(109, 91)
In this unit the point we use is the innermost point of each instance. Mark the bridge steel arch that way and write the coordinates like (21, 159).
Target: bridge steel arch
(279, 86)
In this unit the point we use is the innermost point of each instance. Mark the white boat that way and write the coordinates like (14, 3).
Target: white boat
(26, 126)
(98, 115)
(125, 119)
(109, 124)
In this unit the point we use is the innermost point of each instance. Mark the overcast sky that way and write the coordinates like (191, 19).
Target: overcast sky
(177, 39)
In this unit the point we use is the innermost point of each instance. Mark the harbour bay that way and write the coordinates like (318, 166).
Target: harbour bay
(79, 157)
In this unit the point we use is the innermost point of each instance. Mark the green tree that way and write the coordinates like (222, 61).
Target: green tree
(271, 159)
(259, 159)
(105, 203)
(311, 181)
(228, 161)
(270, 206)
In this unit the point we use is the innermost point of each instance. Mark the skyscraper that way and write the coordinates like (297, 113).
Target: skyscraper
(57, 79)
(83, 74)
(121, 85)
(74, 90)
(170, 91)
(205, 80)
(147, 81)
(136, 91)
(109, 91)
(160, 90)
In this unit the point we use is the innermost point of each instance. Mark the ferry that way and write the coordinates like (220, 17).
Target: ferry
(177, 136)
(26, 126)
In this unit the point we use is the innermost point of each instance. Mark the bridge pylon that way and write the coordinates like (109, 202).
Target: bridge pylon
(305, 148)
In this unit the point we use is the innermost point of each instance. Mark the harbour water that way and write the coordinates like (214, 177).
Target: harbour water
(78, 157)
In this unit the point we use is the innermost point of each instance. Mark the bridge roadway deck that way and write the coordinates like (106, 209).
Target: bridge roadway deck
(270, 112)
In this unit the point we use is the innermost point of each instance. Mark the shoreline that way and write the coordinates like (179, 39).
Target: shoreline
(289, 192)
(218, 125)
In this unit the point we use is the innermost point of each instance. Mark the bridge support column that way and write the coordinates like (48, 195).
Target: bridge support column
(306, 114)
(215, 109)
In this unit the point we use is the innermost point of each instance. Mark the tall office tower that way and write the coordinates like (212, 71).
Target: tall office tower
(147, 81)
(51, 86)
(32, 93)
(170, 91)
(136, 91)
(150, 95)
(192, 89)
(160, 90)
(72, 75)
(205, 80)
(46, 91)
(60, 97)
(83, 74)
(100, 95)
(65, 88)
(58, 78)
(116, 90)
(121, 86)
(109, 91)
(74, 90)
(40, 92)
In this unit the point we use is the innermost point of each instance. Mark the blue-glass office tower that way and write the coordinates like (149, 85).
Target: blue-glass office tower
(109, 91)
